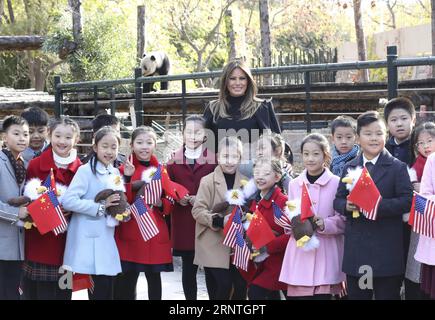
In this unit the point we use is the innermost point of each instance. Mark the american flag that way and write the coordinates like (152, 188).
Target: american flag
(235, 227)
(241, 252)
(153, 189)
(145, 222)
(424, 216)
(63, 224)
(280, 217)
(49, 182)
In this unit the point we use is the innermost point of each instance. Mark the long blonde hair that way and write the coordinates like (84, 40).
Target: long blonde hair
(219, 108)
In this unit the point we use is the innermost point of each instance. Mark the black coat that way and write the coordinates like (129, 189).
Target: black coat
(377, 244)
(264, 118)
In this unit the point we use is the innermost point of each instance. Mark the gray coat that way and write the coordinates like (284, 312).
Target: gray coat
(11, 236)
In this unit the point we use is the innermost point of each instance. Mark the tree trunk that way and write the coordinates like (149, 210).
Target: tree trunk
(20, 43)
(432, 2)
(231, 38)
(265, 38)
(2, 10)
(140, 44)
(364, 73)
(76, 21)
(11, 12)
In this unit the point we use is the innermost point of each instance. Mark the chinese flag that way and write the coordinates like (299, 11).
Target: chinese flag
(173, 189)
(44, 214)
(259, 231)
(306, 204)
(82, 282)
(412, 212)
(366, 195)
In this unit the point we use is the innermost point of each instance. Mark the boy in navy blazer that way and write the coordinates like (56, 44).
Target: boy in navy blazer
(373, 252)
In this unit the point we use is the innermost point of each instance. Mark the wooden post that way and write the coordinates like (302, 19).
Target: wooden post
(140, 43)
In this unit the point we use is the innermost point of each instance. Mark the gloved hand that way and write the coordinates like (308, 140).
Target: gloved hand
(218, 221)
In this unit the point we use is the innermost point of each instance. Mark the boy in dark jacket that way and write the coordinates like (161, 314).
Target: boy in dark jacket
(373, 252)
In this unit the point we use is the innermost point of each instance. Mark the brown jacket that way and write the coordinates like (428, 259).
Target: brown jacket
(209, 250)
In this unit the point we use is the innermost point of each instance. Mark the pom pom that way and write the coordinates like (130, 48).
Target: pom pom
(111, 222)
(293, 208)
(116, 183)
(148, 174)
(235, 197)
(31, 188)
(352, 177)
(249, 189)
(61, 189)
(312, 244)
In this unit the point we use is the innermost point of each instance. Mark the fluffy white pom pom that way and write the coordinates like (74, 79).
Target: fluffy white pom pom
(111, 221)
(235, 197)
(148, 174)
(249, 189)
(352, 177)
(312, 244)
(61, 189)
(31, 188)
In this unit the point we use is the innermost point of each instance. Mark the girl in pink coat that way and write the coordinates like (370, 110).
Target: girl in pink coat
(426, 246)
(316, 273)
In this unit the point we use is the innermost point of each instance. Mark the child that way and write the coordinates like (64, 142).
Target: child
(41, 267)
(272, 145)
(265, 284)
(316, 274)
(103, 120)
(399, 114)
(424, 141)
(373, 249)
(37, 119)
(12, 177)
(210, 252)
(90, 243)
(343, 130)
(187, 166)
(153, 256)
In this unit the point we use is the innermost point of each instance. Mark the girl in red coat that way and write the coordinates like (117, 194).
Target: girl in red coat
(152, 256)
(44, 253)
(187, 166)
(265, 284)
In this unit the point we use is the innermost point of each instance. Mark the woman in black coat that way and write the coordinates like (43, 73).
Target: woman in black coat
(238, 111)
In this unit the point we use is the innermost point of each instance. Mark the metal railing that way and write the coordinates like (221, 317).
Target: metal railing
(392, 63)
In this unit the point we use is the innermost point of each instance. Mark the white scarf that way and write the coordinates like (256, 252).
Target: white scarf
(193, 153)
(62, 162)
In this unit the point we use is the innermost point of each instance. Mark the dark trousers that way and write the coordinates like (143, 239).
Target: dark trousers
(125, 286)
(103, 288)
(10, 276)
(188, 277)
(413, 291)
(259, 293)
(315, 297)
(384, 288)
(225, 284)
(44, 290)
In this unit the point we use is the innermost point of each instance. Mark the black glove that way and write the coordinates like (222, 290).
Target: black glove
(218, 221)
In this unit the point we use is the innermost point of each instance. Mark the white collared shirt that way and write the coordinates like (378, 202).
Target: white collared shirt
(374, 160)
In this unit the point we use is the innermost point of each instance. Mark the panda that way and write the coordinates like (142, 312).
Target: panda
(154, 64)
